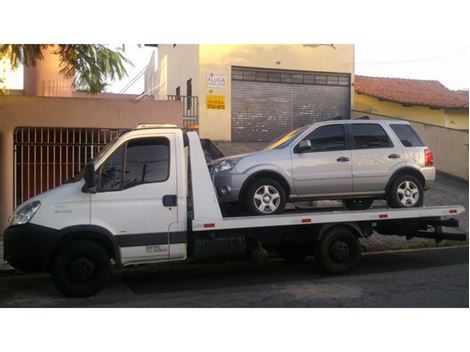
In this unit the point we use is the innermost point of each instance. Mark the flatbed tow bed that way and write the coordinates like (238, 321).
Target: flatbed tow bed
(78, 229)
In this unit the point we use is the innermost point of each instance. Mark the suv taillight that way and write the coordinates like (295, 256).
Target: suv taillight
(428, 158)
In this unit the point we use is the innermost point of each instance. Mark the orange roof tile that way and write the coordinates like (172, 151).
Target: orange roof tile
(411, 91)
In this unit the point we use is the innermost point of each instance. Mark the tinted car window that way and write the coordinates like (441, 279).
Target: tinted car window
(140, 161)
(147, 160)
(111, 172)
(369, 136)
(407, 135)
(327, 138)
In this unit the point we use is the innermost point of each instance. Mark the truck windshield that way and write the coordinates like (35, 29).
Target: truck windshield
(286, 139)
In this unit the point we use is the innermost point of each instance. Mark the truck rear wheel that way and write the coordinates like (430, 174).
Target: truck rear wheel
(338, 251)
(81, 268)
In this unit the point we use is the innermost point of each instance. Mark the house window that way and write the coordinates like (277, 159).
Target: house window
(189, 92)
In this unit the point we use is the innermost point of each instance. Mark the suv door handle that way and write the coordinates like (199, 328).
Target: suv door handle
(342, 159)
(393, 156)
(170, 200)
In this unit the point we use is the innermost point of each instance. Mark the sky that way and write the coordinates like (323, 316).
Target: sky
(446, 63)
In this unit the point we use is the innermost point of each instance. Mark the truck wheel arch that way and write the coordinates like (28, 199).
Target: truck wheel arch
(351, 226)
(92, 233)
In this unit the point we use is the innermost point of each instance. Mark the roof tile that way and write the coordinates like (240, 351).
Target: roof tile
(411, 91)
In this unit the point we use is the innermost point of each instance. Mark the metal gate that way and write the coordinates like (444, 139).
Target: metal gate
(46, 157)
(268, 103)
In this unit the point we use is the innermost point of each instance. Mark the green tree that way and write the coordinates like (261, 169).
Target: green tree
(91, 65)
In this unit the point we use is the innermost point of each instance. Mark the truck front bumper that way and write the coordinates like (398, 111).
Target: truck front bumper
(28, 247)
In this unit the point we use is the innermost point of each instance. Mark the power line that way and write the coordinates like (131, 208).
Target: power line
(133, 80)
(400, 62)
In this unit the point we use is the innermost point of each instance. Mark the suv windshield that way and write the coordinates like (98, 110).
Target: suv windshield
(286, 139)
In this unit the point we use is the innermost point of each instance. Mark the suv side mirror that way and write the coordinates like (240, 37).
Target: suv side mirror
(90, 178)
(303, 146)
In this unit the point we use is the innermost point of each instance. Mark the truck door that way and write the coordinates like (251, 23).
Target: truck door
(136, 197)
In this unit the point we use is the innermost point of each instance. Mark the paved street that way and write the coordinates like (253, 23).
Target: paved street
(424, 278)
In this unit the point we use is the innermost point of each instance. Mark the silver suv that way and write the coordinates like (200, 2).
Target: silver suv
(353, 160)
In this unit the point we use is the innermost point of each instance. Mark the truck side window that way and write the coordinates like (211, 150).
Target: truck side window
(143, 160)
(111, 172)
(147, 160)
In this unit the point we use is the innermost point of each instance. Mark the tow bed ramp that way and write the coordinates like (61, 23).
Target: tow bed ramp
(208, 217)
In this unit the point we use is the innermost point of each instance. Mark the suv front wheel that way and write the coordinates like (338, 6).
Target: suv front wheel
(265, 197)
(405, 191)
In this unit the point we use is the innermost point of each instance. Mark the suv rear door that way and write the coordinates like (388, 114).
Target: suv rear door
(326, 167)
(374, 157)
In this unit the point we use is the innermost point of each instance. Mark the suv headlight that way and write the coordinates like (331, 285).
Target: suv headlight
(223, 165)
(24, 214)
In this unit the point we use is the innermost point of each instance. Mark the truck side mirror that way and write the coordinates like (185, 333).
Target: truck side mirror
(303, 146)
(90, 178)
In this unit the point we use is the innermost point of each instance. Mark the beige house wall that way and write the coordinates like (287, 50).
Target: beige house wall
(449, 146)
(176, 65)
(20, 111)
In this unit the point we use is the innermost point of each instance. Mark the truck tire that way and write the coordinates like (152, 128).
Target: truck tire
(405, 191)
(292, 253)
(358, 203)
(338, 251)
(81, 268)
(265, 196)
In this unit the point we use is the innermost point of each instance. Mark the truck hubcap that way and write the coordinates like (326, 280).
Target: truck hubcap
(267, 199)
(81, 270)
(339, 251)
(408, 193)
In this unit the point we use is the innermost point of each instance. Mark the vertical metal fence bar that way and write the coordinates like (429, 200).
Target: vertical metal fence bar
(41, 150)
(28, 180)
(34, 162)
(60, 155)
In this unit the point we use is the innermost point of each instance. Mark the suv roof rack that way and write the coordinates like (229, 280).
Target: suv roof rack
(364, 117)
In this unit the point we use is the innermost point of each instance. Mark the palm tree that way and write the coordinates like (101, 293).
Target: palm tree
(91, 65)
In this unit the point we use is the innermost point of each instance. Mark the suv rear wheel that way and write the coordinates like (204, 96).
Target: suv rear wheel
(265, 197)
(405, 191)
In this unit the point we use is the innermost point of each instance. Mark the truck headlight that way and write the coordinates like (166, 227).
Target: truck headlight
(223, 165)
(24, 214)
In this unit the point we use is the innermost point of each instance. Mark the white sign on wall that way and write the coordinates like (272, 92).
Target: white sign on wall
(215, 80)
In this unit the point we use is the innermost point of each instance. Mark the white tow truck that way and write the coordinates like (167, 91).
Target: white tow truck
(148, 198)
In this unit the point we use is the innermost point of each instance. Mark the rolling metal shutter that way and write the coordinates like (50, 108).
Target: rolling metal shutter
(269, 103)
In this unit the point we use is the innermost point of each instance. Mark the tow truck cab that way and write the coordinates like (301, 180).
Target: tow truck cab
(138, 209)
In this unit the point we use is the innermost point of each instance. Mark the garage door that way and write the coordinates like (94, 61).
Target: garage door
(269, 103)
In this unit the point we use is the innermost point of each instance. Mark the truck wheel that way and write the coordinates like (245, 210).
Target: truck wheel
(81, 268)
(358, 204)
(405, 191)
(338, 251)
(292, 253)
(265, 197)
